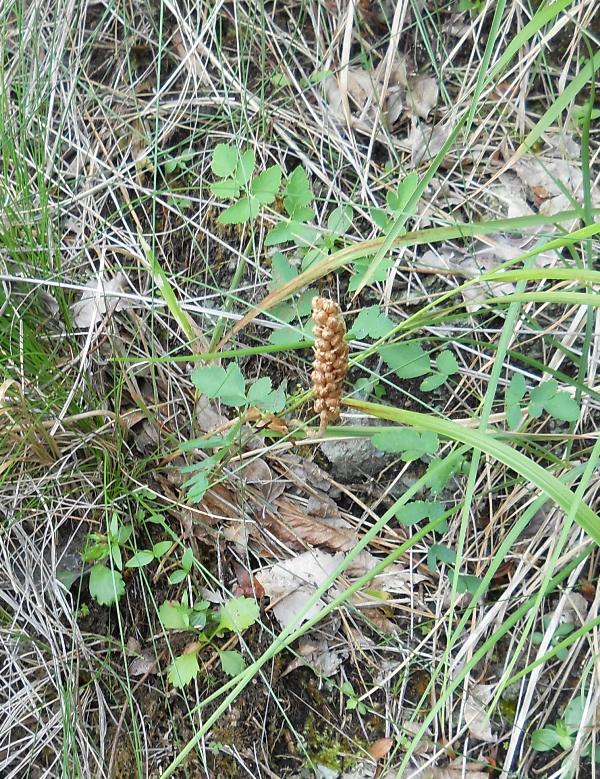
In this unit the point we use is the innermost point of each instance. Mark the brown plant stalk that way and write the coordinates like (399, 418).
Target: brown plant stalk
(330, 363)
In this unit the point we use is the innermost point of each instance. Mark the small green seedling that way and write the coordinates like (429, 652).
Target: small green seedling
(235, 616)
(229, 386)
(104, 550)
(352, 700)
(562, 733)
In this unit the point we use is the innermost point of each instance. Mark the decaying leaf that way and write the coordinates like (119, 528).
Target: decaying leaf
(457, 769)
(297, 529)
(426, 140)
(408, 95)
(380, 748)
(476, 717)
(100, 300)
(291, 583)
(319, 655)
(423, 95)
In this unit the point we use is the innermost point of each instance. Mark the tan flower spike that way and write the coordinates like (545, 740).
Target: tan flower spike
(330, 363)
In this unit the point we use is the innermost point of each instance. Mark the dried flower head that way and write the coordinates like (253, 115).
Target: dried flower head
(330, 361)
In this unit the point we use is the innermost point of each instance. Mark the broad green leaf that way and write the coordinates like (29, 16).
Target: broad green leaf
(177, 576)
(224, 160)
(466, 582)
(266, 184)
(209, 379)
(408, 361)
(174, 615)
(106, 586)
(282, 271)
(196, 487)
(432, 382)
(245, 167)
(259, 390)
(289, 335)
(513, 396)
(298, 195)
(340, 220)
(314, 257)
(140, 559)
(398, 200)
(228, 188)
(183, 669)
(446, 362)
(440, 470)
(371, 322)
(216, 382)
(238, 614)
(544, 391)
(161, 548)
(562, 406)
(381, 219)
(544, 740)
(300, 234)
(243, 211)
(187, 559)
(573, 714)
(232, 662)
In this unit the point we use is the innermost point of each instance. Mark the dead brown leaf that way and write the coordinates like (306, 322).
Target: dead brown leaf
(379, 749)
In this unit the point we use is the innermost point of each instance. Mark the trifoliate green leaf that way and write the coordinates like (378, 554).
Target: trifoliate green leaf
(417, 510)
(298, 194)
(106, 586)
(440, 553)
(446, 363)
(440, 470)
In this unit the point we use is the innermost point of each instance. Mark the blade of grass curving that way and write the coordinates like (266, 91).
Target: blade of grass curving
(357, 251)
(518, 462)
(294, 631)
